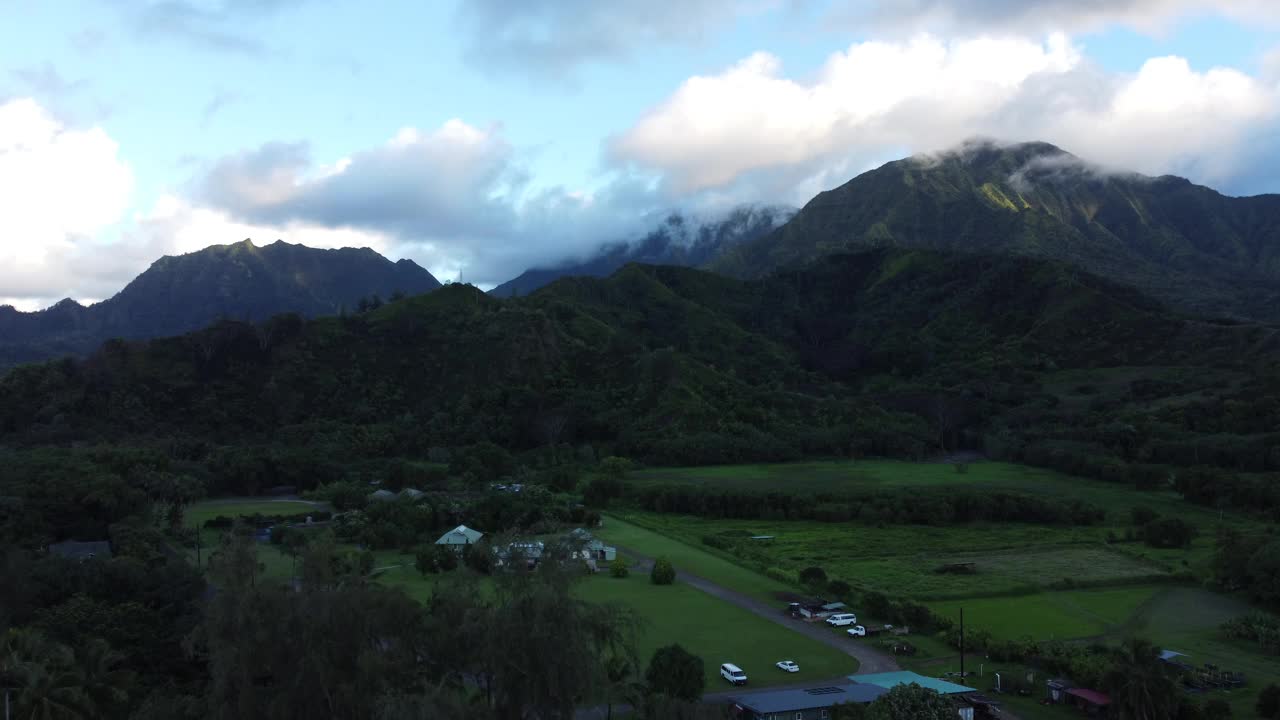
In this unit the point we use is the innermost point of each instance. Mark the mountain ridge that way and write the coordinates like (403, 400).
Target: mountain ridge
(180, 293)
(1185, 244)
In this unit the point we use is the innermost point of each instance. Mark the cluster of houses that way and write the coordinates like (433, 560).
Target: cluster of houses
(817, 703)
(581, 544)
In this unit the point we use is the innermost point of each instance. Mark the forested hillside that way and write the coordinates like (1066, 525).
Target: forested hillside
(886, 352)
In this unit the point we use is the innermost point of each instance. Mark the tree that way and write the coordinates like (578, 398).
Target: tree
(663, 573)
(620, 671)
(1269, 702)
(1139, 684)
(1264, 571)
(615, 468)
(913, 702)
(105, 684)
(479, 557)
(839, 589)
(1141, 515)
(676, 673)
(618, 568)
(813, 577)
(1168, 533)
(39, 677)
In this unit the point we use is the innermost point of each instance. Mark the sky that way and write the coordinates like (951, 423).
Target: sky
(484, 137)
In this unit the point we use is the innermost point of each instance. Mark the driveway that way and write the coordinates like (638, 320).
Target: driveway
(870, 660)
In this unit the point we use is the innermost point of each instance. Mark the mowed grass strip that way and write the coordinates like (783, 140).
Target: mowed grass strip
(1012, 618)
(200, 512)
(717, 632)
(692, 559)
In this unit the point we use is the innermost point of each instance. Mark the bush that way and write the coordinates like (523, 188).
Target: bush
(1217, 709)
(1269, 702)
(663, 572)
(1142, 515)
(478, 557)
(1168, 533)
(618, 568)
(813, 576)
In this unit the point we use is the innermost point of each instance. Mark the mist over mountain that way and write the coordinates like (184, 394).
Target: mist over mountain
(678, 240)
(178, 294)
(1184, 244)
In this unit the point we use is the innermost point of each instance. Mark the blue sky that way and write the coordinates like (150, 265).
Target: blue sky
(489, 136)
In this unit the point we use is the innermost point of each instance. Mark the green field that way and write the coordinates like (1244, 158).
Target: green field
(901, 560)
(1020, 586)
(717, 632)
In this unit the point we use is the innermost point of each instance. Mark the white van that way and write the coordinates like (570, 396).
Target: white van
(842, 619)
(733, 674)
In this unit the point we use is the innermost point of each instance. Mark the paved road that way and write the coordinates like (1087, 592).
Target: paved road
(870, 660)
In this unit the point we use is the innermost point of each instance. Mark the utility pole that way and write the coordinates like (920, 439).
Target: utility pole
(961, 644)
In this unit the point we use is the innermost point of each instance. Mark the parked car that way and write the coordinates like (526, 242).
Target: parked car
(733, 674)
(788, 666)
(857, 631)
(842, 619)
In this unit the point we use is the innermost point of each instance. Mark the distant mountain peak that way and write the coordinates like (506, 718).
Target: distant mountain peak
(679, 238)
(240, 281)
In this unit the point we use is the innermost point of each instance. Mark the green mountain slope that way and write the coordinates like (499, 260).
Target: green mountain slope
(888, 352)
(1184, 244)
(186, 292)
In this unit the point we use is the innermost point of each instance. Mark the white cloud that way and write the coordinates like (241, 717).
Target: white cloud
(751, 127)
(454, 198)
(59, 186)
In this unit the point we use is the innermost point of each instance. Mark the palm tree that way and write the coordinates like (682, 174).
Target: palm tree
(623, 683)
(103, 682)
(40, 678)
(1139, 684)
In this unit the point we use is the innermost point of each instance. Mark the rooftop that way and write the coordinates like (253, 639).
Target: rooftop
(891, 680)
(1092, 697)
(776, 701)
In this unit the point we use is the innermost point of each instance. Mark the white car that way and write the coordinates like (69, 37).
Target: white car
(842, 619)
(857, 631)
(733, 674)
(788, 666)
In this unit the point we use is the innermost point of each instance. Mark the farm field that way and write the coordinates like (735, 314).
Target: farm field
(1023, 584)
(276, 564)
(716, 631)
(857, 476)
(901, 560)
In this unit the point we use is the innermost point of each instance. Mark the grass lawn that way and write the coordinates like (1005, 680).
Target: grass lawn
(1011, 618)
(717, 632)
(692, 558)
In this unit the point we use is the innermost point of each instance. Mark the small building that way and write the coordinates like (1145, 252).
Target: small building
(531, 550)
(817, 609)
(381, 496)
(411, 493)
(801, 704)
(82, 551)
(591, 548)
(1092, 702)
(459, 538)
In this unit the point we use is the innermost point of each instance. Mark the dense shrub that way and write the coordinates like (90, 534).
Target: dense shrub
(663, 572)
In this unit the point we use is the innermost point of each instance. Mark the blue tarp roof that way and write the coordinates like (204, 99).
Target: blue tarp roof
(777, 701)
(891, 680)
